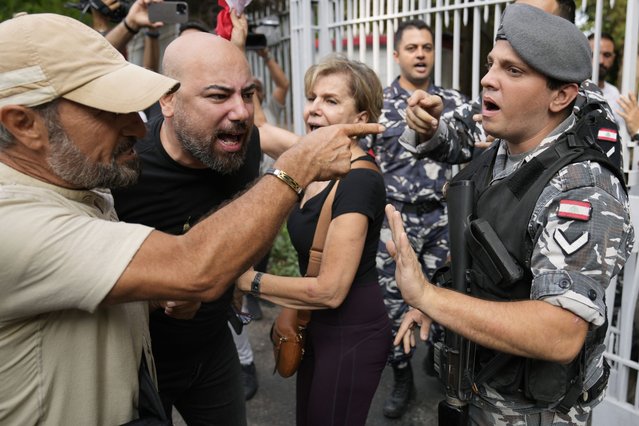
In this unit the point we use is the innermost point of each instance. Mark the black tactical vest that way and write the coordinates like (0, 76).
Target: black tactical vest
(507, 205)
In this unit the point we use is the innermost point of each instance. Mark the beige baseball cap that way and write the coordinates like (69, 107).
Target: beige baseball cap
(47, 56)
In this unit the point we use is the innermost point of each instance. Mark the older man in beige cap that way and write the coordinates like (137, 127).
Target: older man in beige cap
(70, 346)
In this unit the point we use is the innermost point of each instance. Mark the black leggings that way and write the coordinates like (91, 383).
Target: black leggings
(206, 390)
(346, 352)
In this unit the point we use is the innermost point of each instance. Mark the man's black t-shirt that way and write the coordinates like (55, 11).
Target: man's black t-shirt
(172, 198)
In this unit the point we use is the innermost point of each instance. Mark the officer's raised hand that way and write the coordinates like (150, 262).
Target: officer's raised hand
(410, 280)
(408, 272)
(423, 112)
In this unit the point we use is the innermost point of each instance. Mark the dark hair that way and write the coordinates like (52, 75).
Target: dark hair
(567, 9)
(412, 23)
(194, 25)
(554, 84)
(604, 36)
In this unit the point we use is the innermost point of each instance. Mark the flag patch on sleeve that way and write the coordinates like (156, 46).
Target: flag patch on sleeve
(572, 209)
(609, 135)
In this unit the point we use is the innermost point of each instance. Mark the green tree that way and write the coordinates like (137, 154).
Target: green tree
(283, 260)
(614, 19)
(9, 7)
(613, 23)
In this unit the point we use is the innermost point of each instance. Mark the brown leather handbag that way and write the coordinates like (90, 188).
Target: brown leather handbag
(288, 333)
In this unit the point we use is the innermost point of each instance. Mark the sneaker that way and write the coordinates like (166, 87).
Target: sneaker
(249, 378)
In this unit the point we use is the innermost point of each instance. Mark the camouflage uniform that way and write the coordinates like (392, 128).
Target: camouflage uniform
(457, 133)
(572, 263)
(414, 187)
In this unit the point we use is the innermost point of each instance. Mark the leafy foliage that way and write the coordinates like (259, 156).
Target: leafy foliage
(10, 7)
(613, 23)
(614, 20)
(283, 259)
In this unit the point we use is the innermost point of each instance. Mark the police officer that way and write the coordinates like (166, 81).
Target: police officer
(559, 208)
(413, 186)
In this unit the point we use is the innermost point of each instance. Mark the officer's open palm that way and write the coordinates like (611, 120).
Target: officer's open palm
(408, 271)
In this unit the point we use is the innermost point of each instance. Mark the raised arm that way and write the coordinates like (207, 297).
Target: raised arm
(629, 111)
(449, 137)
(531, 328)
(277, 75)
(136, 19)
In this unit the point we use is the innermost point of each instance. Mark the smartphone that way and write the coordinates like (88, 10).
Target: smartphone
(238, 319)
(255, 41)
(169, 12)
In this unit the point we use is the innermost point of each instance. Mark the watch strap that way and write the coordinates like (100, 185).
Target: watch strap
(255, 284)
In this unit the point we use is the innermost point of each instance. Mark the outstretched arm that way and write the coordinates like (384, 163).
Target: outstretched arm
(277, 75)
(531, 328)
(201, 264)
(136, 19)
(447, 137)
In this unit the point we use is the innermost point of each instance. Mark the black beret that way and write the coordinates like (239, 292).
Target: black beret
(549, 44)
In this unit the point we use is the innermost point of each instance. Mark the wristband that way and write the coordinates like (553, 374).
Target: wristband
(255, 284)
(281, 175)
(128, 28)
(152, 34)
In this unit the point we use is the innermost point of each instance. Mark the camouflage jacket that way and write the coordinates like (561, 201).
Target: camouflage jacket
(408, 179)
(455, 138)
(575, 252)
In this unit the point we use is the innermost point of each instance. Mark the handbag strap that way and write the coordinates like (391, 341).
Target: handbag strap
(315, 256)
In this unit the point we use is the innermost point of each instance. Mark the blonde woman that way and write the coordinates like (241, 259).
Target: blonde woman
(349, 336)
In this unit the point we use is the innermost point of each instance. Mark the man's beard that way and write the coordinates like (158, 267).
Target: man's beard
(603, 72)
(202, 146)
(69, 163)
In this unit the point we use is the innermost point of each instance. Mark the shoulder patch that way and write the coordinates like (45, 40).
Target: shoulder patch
(609, 135)
(573, 209)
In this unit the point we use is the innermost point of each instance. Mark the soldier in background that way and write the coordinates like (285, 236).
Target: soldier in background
(413, 186)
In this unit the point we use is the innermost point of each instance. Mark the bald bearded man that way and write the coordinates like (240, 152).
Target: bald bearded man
(202, 151)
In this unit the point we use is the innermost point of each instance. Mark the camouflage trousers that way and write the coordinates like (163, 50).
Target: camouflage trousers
(428, 235)
(577, 416)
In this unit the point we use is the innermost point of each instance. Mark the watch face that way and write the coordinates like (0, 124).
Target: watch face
(255, 284)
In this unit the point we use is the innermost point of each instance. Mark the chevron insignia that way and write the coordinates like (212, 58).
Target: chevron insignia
(570, 247)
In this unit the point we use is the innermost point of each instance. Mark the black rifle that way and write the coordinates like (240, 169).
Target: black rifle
(454, 356)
